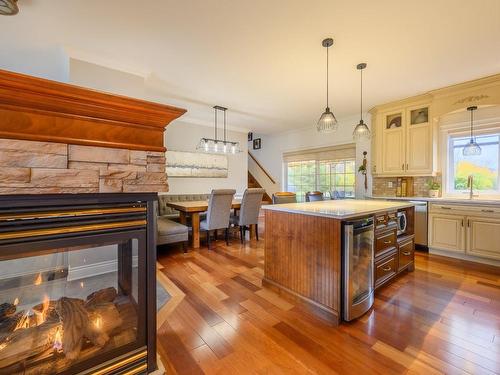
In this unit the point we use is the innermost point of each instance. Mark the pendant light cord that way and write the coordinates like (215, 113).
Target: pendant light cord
(361, 95)
(224, 126)
(471, 119)
(327, 76)
(215, 121)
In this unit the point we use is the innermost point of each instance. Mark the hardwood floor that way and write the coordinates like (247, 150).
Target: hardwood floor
(444, 318)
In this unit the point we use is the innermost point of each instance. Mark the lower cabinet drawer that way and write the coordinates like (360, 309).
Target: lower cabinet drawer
(386, 268)
(406, 253)
(384, 241)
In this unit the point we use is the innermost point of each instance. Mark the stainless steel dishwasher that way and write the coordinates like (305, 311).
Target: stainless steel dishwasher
(420, 223)
(357, 267)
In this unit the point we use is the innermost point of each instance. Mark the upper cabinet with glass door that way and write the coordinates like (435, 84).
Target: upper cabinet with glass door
(403, 141)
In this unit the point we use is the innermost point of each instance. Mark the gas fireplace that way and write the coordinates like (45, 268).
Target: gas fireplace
(77, 284)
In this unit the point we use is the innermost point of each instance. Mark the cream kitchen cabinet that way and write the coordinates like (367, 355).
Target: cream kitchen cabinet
(447, 232)
(483, 237)
(471, 230)
(403, 141)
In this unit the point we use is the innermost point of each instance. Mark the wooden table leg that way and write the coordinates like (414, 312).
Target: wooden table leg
(182, 218)
(195, 222)
(252, 231)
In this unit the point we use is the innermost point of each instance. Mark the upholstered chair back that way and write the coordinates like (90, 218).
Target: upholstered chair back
(284, 197)
(250, 206)
(219, 208)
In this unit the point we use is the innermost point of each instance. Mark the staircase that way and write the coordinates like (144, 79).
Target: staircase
(253, 183)
(258, 176)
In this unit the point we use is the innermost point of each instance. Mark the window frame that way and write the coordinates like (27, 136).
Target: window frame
(317, 175)
(449, 172)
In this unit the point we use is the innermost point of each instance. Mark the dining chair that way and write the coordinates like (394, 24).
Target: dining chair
(218, 213)
(334, 194)
(284, 197)
(249, 211)
(312, 196)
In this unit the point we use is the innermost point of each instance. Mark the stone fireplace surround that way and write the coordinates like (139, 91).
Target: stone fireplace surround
(31, 167)
(60, 138)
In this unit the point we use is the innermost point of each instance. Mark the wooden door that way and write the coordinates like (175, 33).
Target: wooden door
(446, 232)
(483, 237)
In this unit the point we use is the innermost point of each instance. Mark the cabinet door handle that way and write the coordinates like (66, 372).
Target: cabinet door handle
(386, 268)
(407, 166)
(387, 242)
(445, 208)
(406, 253)
(487, 210)
(462, 222)
(468, 223)
(403, 166)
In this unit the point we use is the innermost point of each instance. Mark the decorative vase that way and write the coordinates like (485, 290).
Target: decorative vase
(433, 193)
(421, 117)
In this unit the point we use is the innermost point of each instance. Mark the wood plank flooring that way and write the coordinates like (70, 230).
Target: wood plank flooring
(444, 318)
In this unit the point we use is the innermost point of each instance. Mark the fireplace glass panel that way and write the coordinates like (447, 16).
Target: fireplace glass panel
(69, 305)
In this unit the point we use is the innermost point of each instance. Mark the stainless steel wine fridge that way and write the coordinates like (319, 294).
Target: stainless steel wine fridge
(357, 267)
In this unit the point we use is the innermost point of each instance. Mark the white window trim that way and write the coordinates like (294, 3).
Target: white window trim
(489, 126)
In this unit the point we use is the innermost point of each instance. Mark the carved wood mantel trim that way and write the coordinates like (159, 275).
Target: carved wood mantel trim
(38, 109)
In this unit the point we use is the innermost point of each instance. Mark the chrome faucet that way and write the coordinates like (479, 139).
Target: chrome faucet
(470, 186)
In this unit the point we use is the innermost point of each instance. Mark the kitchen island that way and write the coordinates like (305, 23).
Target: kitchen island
(303, 248)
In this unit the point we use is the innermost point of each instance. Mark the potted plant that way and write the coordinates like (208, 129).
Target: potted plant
(433, 188)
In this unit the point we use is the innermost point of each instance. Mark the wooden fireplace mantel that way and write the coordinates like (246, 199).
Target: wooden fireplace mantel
(38, 109)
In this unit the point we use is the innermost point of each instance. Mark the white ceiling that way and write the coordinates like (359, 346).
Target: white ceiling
(263, 58)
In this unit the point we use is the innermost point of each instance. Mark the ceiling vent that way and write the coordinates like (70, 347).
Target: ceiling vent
(8, 7)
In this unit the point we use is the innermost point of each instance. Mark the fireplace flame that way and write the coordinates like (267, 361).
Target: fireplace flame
(38, 279)
(16, 302)
(57, 340)
(98, 322)
(24, 322)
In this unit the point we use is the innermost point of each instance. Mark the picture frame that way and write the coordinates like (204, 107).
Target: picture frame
(257, 144)
(250, 136)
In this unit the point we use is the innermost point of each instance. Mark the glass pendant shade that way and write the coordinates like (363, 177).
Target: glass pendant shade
(327, 122)
(8, 7)
(361, 131)
(471, 149)
(216, 145)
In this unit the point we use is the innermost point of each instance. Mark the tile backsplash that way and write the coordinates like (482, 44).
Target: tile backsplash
(420, 189)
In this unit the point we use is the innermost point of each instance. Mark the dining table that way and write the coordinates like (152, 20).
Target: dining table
(193, 209)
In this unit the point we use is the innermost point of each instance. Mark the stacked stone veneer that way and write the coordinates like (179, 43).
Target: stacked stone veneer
(29, 167)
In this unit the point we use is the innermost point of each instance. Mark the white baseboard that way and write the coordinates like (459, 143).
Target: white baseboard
(471, 258)
(96, 269)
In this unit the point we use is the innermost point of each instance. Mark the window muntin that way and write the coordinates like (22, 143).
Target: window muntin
(483, 167)
(328, 176)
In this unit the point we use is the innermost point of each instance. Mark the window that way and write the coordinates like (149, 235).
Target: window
(483, 167)
(336, 177)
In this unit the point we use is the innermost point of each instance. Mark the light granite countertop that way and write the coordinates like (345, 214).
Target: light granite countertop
(339, 209)
(474, 201)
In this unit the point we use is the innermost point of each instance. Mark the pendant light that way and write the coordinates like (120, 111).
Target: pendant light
(472, 148)
(8, 7)
(327, 122)
(361, 131)
(216, 145)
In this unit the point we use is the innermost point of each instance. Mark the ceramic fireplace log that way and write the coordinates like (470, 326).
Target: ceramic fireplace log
(28, 342)
(101, 296)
